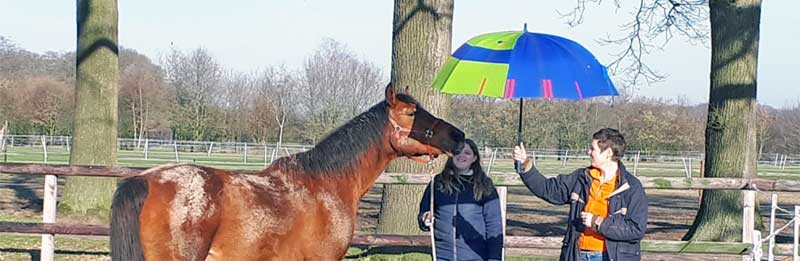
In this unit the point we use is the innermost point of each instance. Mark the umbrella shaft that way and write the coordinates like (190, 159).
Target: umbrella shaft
(517, 164)
(519, 125)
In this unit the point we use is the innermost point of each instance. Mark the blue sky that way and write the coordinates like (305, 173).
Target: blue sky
(247, 35)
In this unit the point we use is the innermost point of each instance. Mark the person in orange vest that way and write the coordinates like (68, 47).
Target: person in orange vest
(608, 206)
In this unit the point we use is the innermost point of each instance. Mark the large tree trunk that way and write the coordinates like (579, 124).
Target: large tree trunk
(421, 39)
(731, 127)
(94, 140)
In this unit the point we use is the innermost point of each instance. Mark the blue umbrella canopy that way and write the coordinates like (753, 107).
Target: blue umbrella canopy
(521, 64)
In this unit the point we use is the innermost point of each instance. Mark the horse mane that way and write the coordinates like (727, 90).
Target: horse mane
(341, 148)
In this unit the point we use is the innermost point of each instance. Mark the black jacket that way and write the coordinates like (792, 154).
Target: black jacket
(464, 229)
(623, 229)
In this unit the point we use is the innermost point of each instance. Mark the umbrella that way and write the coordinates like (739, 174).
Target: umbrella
(522, 64)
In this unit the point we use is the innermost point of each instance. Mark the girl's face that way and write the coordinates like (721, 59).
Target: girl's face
(464, 159)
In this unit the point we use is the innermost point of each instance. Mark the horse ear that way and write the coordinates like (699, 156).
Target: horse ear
(391, 95)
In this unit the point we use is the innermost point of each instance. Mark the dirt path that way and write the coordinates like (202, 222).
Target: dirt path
(671, 213)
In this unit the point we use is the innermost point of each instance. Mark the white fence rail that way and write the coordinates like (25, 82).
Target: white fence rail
(33, 149)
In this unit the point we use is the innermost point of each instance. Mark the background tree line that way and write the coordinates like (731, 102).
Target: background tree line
(191, 96)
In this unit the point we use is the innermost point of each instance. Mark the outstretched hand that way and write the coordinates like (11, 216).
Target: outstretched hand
(519, 154)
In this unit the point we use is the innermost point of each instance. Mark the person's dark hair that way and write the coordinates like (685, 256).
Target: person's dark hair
(449, 180)
(611, 138)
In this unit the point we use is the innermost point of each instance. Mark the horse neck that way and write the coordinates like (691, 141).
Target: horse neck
(356, 175)
(366, 170)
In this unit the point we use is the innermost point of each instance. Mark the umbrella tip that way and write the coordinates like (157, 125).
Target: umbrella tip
(525, 27)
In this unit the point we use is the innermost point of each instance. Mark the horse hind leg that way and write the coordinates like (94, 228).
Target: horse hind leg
(168, 233)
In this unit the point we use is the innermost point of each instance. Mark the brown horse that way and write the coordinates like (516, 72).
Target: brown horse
(302, 207)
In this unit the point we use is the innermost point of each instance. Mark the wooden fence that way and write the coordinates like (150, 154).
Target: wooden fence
(749, 186)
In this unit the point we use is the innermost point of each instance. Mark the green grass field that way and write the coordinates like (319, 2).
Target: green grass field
(256, 161)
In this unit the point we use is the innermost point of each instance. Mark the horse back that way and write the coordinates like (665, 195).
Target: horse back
(200, 213)
(279, 214)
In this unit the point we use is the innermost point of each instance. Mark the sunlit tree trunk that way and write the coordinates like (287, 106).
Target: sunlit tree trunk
(94, 140)
(421, 39)
(731, 128)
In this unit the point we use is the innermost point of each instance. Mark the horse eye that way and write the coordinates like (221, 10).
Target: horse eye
(412, 113)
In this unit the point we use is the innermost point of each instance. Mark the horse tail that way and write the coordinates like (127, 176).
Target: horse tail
(125, 210)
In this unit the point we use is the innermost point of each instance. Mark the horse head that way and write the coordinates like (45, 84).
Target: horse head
(416, 133)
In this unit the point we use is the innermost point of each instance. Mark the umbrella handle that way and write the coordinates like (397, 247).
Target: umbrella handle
(518, 164)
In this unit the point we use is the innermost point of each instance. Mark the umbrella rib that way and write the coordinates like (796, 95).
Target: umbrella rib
(578, 88)
(483, 84)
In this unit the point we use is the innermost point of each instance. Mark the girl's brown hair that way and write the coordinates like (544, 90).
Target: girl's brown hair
(450, 180)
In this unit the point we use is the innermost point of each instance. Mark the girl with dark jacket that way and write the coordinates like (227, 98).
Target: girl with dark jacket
(468, 222)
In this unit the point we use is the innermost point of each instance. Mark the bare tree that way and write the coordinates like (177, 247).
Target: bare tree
(765, 120)
(233, 100)
(336, 86)
(144, 100)
(273, 102)
(48, 105)
(653, 24)
(787, 130)
(194, 78)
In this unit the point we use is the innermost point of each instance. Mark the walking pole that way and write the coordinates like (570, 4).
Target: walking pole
(431, 210)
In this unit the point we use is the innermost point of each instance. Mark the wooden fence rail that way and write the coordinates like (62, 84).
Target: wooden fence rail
(424, 241)
(501, 179)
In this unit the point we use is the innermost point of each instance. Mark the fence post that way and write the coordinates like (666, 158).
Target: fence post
(245, 153)
(773, 207)
(3, 142)
(502, 192)
(795, 253)
(686, 168)
(748, 215)
(636, 162)
(44, 148)
(491, 161)
(210, 146)
(776, 160)
(146, 147)
(49, 216)
(783, 163)
(175, 144)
